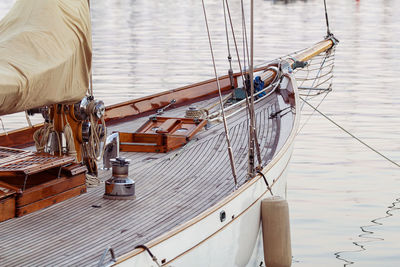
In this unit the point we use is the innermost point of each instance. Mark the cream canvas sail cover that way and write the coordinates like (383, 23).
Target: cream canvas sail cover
(45, 54)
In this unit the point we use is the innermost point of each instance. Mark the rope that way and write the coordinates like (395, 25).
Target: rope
(2, 125)
(266, 182)
(41, 136)
(92, 180)
(352, 135)
(92, 148)
(220, 100)
(195, 114)
(309, 117)
(28, 119)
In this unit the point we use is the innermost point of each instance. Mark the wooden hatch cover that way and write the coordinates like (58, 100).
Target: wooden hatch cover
(31, 181)
(31, 163)
(161, 134)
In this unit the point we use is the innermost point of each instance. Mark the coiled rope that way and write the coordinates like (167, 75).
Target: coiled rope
(93, 149)
(41, 136)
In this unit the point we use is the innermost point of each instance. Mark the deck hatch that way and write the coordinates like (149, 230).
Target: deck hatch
(30, 163)
(161, 134)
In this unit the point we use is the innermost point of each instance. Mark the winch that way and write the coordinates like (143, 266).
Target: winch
(120, 186)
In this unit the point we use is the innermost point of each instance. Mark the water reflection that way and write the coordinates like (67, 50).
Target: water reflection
(142, 47)
(367, 234)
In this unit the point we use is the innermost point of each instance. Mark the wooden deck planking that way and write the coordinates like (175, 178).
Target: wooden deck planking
(73, 232)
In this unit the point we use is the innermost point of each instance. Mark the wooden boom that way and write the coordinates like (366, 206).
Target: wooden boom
(269, 75)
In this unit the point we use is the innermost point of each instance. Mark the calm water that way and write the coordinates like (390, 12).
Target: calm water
(344, 199)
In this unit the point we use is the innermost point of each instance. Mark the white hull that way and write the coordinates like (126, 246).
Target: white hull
(236, 241)
(210, 242)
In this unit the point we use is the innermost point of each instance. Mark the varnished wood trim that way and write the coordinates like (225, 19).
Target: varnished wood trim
(19, 138)
(157, 101)
(23, 210)
(232, 196)
(51, 188)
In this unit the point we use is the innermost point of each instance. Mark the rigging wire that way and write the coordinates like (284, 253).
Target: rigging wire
(248, 114)
(220, 100)
(252, 117)
(328, 32)
(317, 78)
(227, 42)
(244, 33)
(234, 40)
(313, 112)
(352, 135)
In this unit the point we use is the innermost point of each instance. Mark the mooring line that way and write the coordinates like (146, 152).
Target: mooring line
(352, 135)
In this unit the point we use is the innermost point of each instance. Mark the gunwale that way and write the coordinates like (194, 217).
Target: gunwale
(243, 186)
(275, 159)
(163, 229)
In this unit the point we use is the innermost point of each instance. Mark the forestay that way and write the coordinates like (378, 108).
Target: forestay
(45, 54)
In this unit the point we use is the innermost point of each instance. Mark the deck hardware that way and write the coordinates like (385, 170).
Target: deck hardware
(59, 172)
(222, 216)
(111, 150)
(25, 179)
(86, 127)
(120, 186)
(161, 135)
(53, 145)
(154, 258)
(275, 114)
(266, 182)
(161, 110)
(99, 109)
(113, 259)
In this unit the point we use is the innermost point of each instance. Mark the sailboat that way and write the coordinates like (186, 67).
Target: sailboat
(186, 183)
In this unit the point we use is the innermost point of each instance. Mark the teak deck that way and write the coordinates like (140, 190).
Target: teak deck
(171, 189)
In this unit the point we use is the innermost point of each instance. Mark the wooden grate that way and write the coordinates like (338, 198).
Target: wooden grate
(9, 154)
(32, 163)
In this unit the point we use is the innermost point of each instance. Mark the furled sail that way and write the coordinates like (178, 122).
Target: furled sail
(45, 54)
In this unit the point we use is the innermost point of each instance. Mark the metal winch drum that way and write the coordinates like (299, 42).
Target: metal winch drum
(120, 186)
